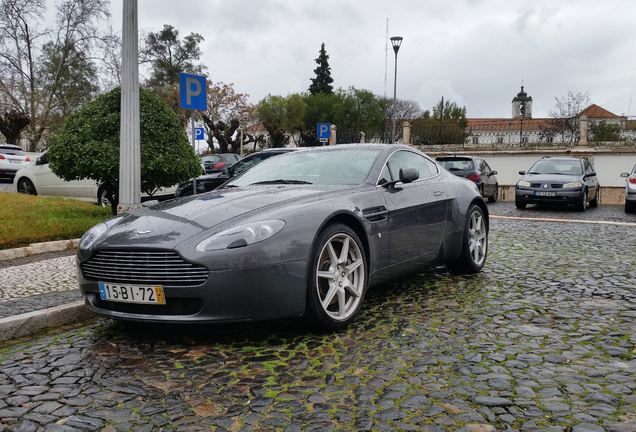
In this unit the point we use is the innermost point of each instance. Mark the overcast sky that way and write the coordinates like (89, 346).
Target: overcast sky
(474, 52)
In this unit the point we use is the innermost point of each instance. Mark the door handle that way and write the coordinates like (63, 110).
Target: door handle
(438, 193)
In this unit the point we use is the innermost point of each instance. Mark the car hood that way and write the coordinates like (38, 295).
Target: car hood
(550, 178)
(167, 224)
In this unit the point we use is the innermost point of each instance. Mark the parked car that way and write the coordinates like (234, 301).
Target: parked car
(558, 180)
(475, 169)
(304, 232)
(12, 158)
(216, 163)
(208, 182)
(39, 179)
(630, 190)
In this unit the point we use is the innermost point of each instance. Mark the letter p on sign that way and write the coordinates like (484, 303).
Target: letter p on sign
(192, 92)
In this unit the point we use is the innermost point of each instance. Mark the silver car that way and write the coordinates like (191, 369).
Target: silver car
(12, 159)
(630, 190)
(305, 232)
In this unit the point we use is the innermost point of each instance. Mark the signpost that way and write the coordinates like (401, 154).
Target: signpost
(323, 132)
(192, 96)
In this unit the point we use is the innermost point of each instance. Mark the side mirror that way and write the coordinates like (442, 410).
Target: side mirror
(494, 173)
(624, 175)
(592, 174)
(522, 173)
(40, 161)
(226, 172)
(408, 175)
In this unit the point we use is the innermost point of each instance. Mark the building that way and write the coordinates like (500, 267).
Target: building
(522, 129)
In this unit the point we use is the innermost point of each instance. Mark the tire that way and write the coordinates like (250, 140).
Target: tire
(582, 204)
(520, 204)
(335, 293)
(26, 186)
(475, 235)
(495, 194)
(630, 207)
(594, 202)
(104, 197)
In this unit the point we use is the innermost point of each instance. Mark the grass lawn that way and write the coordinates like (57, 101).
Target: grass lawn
(26, 219)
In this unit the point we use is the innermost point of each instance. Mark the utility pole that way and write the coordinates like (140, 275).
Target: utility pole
(129, 139)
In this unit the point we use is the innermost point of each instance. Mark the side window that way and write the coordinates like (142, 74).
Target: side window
(587, 168)
(486, 168)
(407, 159)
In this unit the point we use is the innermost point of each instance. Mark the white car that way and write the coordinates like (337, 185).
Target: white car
(39, 179)
(630, 191)
(12, 158)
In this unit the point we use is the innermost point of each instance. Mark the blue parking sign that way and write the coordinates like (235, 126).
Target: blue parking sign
(199, 134)
(192, 92)
(323, 130)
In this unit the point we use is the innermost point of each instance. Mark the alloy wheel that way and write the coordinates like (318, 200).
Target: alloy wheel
(340, 276)
(477, 238)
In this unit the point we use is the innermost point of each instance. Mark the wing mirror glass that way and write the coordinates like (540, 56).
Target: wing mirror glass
(592, 174)
(493, 173)
(407, 175)
(522, 173)
(624, 175)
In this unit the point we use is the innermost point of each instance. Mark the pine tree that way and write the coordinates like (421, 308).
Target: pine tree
(323, 80)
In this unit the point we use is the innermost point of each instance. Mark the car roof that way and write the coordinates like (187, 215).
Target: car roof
(11, 146)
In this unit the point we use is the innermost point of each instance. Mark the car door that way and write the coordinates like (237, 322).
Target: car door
(416, 210)
(590, 180)
(489, 179)
(46, 182)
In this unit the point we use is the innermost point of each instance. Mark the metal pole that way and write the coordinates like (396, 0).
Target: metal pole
(129, 139)
(194, 149)
(241, 131)
(393, 127)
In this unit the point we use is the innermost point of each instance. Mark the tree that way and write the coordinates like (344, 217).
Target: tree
(604, 132)
(323, 80)
(25, 45)
(444, 124)
(87, 144)
(272, 111)
(12, 123)
(227, 111)
(565, 115)
(168, 56)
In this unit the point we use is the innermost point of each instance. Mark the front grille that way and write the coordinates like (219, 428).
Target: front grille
(165, 268)
(553, 185)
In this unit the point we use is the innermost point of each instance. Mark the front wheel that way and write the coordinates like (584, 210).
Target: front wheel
(338, 277)
(26, 186)
(520, 204)
(630, 207)
(582, 204)
(594, 202)
(474, 244)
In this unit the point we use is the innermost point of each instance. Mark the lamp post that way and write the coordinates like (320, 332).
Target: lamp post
(522, 111)
(396, 41)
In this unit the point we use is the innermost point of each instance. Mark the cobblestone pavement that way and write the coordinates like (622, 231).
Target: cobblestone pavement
(543, 340)
(38, 302)
(26, 280)
(605, 212)
(6, 186)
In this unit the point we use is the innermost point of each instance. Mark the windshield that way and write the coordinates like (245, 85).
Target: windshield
(8, 150)
(557, 166)
(457, 164)
(320, 167)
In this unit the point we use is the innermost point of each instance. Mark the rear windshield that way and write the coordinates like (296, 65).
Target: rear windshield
(457, 164)
(11, 151)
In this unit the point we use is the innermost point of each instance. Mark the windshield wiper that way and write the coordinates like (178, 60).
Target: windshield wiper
(281, 181)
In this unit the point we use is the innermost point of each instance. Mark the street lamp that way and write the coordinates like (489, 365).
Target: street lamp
(522, 111)
(396, 41)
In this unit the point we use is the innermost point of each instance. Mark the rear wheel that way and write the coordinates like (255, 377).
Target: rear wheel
(474, 244)
(338, 277)
(594, 202)
(495, 194)
(630, 207)
(26, 186)
(520, 204)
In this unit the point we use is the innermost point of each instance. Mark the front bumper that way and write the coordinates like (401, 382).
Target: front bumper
(257, 293)
(630, 195)
(565, 196)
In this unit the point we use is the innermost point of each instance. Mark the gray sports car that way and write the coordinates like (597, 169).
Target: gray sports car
(302, 233)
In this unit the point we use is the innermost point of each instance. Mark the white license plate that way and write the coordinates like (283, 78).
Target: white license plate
(15, 160)
(546, 194)
(144, 294)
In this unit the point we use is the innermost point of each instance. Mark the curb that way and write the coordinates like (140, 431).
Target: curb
(32, 322)
(38, 248)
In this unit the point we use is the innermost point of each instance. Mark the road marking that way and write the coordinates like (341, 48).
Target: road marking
(630, 224)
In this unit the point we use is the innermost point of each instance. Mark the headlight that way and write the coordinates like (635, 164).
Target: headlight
(94, 233)
(242, 235)
(572, 185)
(523, 183)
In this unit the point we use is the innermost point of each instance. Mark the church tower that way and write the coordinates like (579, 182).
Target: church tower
(522, 105)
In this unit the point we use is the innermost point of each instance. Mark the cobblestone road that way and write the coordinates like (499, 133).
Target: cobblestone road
(614, 213)
(543, 340)
(53, 275)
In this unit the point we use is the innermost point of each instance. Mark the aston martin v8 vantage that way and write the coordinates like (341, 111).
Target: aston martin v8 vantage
(306, 232)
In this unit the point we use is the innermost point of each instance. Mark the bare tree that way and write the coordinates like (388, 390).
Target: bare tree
(34, 90)
(565, 114)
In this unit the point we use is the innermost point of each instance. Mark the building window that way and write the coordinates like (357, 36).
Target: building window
(500, 140)
(550, 139)
(475, 140)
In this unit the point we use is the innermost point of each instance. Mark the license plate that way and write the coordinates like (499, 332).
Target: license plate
(15, 160)
(546, 194)
(144, 294)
